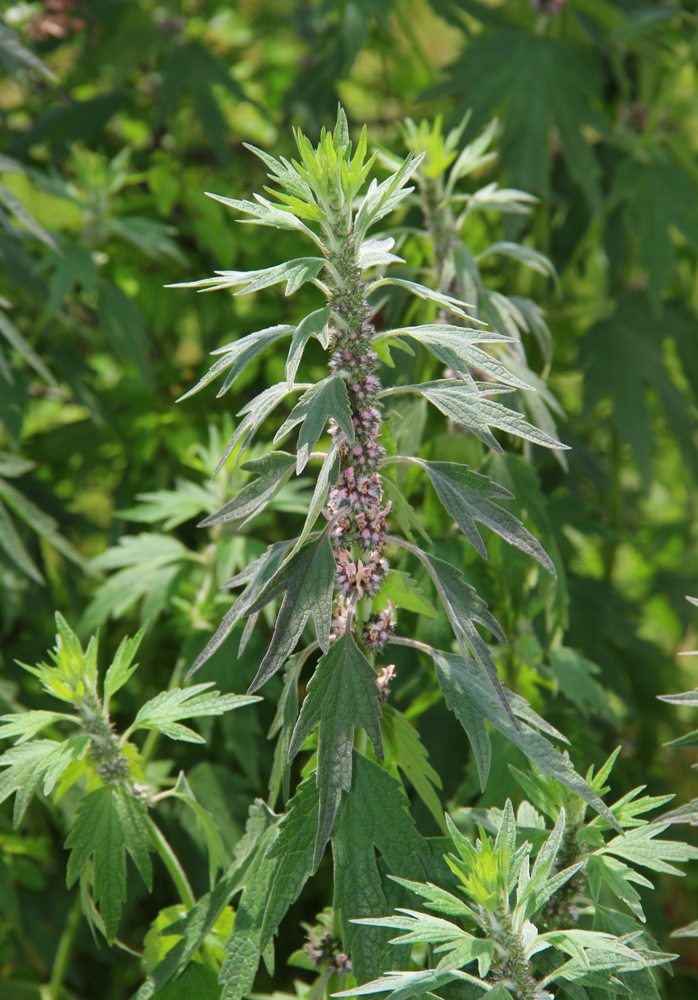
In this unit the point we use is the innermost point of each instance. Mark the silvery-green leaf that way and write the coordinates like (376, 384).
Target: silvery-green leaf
(375, 253)
(254, 413)
(473, 410)
(256, 576)
(294, 272)
(327, 399)
(441, 299)
(237, 356)
(313, 325)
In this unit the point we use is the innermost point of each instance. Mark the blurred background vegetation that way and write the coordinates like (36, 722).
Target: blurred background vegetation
(117, 116)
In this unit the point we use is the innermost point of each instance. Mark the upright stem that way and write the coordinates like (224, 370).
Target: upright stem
(356, 500)
(65, 944)
(173, 866)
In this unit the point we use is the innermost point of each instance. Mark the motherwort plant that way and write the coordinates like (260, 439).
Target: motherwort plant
(334, 570)
(349, 569)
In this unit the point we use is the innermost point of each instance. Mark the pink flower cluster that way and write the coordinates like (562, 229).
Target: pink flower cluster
(355, 504)
(325, 950)
(375, 635)
(383, 680)
(359, 577)
(378, 631)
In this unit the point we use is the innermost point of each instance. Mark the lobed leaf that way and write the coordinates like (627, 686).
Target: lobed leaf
(342, 694)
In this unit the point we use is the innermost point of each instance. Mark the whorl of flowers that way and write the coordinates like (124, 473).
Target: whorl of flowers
(355, 502)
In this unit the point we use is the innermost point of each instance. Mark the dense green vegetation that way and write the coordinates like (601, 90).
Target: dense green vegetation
(570, 224)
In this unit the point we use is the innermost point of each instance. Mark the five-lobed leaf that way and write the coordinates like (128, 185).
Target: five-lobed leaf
(110, 821)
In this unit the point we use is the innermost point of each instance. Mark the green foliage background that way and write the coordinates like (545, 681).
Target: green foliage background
(145, 108)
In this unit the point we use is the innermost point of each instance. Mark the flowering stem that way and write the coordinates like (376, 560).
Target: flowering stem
(356, 500)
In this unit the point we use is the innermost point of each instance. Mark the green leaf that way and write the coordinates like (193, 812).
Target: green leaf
(374, 814)
(148, 235)
(15, 339)
(313, 325)
(381, 199)
(328, 475)
(14, 465)
(546, 83)
(124, 324)
(473, 410)
(244, 946)
(147, 565)
(457, 947)
(237, 356)
(617, 877)
(109, 822)
(282, 726)
(164, 710)
(26, 725)
(294, 849)
(256, 576)
(656, 196)
(294, 272)
(36, 763)
(191, 69)
(273, 471)
(202, 918)
(402, 591)
(464, 608)
(376, 253)
(40, 522)
(13, 546)
(206, 825)
(308, 580)
(525, 255)
(73, 265)
(405, 985)
(15, 52)
(254, 414)
(687, 813)
(342, 694)
(197, 982)
(624, 357)
(173, 507)
(404, 749)
(471, 698)
(327, 399)
(446, 302)
(402, 510)
(468, 497)
(640, 847)
(575, 677)
(264, 213)
(455, 347)
(122, 666)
